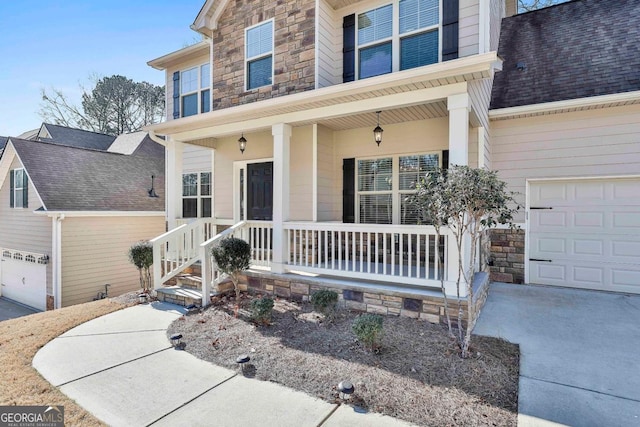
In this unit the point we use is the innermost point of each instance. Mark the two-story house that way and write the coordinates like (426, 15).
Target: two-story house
(320, 115)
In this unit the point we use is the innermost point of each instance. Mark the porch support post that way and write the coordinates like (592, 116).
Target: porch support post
(173, 181)
(281, 155)
(459, 107)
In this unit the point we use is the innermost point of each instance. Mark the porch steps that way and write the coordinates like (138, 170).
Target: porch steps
(180, 295)
(189, 281)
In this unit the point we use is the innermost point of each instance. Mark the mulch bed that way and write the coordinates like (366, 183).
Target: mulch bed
(417, 375)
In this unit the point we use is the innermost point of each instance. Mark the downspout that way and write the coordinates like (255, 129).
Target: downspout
(57, 259)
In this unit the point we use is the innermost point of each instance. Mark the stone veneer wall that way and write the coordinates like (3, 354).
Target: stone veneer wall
(294, 47)
(398, 303)
(507, 255)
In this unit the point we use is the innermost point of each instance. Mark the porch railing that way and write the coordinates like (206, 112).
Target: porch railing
(177, 249)
(392, 253)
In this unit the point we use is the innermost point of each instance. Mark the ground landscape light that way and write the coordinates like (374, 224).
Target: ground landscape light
(377, 132)
(346, 389)
(242, 360)
(176, 340)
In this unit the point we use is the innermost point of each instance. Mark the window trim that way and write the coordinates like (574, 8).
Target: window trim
(198, 92)
(247, 59)
(395, 38)
(199, 196)
(395, 191)
(21, 188)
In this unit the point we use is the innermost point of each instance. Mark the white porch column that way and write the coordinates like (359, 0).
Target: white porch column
(281, 156)
(459, 107)
(173, 181)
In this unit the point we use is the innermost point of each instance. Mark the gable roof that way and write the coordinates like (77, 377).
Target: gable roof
(74, 137)
(136, 144)
(573, 50)
(77, 179)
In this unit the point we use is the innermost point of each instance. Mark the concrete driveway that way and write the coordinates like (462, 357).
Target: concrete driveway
(580, 353)
(11, 310)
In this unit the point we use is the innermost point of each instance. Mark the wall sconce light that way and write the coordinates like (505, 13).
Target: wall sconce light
(242, 143)
(152, 192)
(377, 132)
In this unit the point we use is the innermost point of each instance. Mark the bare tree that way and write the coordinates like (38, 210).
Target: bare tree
(115, 105)
(529, 5)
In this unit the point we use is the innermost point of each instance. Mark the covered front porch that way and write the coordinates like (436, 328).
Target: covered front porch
(312, 192)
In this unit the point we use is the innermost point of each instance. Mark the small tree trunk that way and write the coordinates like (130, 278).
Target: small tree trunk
(141, 278)
(460, 276)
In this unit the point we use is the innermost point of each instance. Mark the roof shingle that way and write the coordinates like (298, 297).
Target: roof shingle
(77, 137)
(573, 50)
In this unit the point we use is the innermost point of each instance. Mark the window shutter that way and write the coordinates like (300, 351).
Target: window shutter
(445, 159)
(348, 191)
(11, 204)
(176, 95)
(25, 190)
(450, 11)
(349, 49)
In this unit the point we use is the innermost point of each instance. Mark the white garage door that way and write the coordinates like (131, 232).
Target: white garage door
(24, 278)
(585, 234)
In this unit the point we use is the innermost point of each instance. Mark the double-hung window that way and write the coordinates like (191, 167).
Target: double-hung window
(18, 196)
(398, 36)
(259, 55)
(195, 93)
(383, 185)
(196, 195)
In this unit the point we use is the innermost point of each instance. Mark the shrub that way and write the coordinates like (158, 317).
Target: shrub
(141, 255)
(324, 301)
(232, 256)
(368, 329)
(261, 310)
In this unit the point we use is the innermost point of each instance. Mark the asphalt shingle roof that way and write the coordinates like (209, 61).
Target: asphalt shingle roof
(573, 50)
(77, 179)
(3, 142)
(77, 137)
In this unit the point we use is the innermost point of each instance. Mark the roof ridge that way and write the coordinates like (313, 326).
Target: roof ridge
(58, 144)
(78, 129)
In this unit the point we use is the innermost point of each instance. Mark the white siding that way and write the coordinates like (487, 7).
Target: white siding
(94, 252)
(20, 228)
(593, 143)
(469, 28)
(327, 211)
(480, 95)
(196, 159)
(328, 46)
(497, 12)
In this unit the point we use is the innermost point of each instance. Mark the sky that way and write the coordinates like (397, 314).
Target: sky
(62, 43)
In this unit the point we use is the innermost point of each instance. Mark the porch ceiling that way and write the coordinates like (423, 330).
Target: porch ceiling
(414, 94)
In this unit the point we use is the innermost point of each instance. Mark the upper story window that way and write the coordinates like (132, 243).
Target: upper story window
(196, 195)
(259, 55)
(18, 195)
(398, 36)
(195, 95)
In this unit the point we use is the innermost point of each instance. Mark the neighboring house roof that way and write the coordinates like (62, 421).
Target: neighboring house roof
(137, 144)
(573, 50)
(30, 134)
(3, 142)
(74, 137)
(77, 179)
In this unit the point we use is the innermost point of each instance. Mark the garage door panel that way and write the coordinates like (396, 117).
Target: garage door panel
(586, 235)
(24, 281)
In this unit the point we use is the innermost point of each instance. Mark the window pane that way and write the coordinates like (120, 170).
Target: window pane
(413, 167)
(260, 40)
(205, 184)
(205, 100)
(190, 184)
(375, 174)
(189, 80)
(190, 208)
(205, 76)
(416, 14)
(206, 207)
(409, 214)
(18, 178)
(19, 198)
(190, 105)
(375, 209)
(375, 60)
(259, 72)
(376, 24)
(419, 50)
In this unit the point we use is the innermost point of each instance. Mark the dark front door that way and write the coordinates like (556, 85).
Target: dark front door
(260, 191)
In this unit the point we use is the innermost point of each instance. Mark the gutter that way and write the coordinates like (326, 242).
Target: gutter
(70, 214)
(156, 138)
(56, 246)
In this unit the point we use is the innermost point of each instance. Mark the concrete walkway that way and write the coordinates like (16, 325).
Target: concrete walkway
(122, 368)
(11, 309)
(580, 353)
